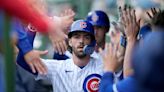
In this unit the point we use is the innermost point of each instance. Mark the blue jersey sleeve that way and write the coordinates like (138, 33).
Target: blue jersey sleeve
(107, 82)
(126, 85)
(23, 42)
(20, 57)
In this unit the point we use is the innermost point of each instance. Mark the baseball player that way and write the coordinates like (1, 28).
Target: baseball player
(99, 19)
(81, 73)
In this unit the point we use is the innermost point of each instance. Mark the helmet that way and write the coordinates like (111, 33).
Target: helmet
(98, 18)
(84, 26)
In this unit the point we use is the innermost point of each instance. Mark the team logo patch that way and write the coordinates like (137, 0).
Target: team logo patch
(83, 24)
(91, 83)
(95, 17)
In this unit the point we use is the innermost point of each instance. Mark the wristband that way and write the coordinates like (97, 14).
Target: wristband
(123, 41)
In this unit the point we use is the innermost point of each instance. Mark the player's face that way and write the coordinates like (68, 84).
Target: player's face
(78, 41)
(100, 34)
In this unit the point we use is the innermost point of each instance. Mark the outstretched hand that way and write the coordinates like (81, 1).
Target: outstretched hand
(110, 59)
(153, 13)
(131, 25)
(58, 35)
(32, 58)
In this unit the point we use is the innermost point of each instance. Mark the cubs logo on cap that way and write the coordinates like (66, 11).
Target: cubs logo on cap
(91, 83)
(95, 17)
(83, 24)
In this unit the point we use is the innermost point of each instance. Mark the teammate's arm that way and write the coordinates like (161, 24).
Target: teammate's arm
(43, 23)
(126, 85)
(111, 64)
(22, 10)
(23, 43)
(26, 52)
(132, 27)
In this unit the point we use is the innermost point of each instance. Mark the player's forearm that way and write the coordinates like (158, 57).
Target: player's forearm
(24, 46)
(22, 10)
(127, 69)
(23, 43)
(106, 84)
(21, 62)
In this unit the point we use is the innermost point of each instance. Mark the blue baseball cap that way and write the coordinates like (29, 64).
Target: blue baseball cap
(82, 26)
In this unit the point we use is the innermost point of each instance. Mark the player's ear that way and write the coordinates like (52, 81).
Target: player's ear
(70, 42)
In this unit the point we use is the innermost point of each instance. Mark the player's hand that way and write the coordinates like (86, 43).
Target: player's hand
(32, 58)
(121, 54)
(59, 37)
(131, 25)
(58, 40)
(67, 18)
(153, 13)
(110, 59)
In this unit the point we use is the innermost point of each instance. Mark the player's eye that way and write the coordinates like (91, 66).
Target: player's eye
(76, 36)
(88, 37)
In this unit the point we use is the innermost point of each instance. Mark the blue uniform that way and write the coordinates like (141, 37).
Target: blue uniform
(25, 81)
(147, 63)
(25, 42)
(126, 85)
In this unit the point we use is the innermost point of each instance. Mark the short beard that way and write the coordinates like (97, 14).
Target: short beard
(81, 56)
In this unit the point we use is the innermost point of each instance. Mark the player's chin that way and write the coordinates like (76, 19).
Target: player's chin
(80, 52)
(81, 55)
(98, 41)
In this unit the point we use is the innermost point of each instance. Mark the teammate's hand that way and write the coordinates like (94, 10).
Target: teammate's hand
(131, 25)
(153, 13)
(32, 58)
(110, 59)
(58, 37)
(67, 18)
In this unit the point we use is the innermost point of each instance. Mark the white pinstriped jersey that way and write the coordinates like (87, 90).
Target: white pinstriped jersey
(68, 77)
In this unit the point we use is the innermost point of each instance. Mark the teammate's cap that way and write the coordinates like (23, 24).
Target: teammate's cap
(98, 18)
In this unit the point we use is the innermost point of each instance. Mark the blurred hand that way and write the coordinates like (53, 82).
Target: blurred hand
(110, 59)
(131, 25)
(32, 58)
(67, 18)
(153, 13)
(121, 54)
(58, 37)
